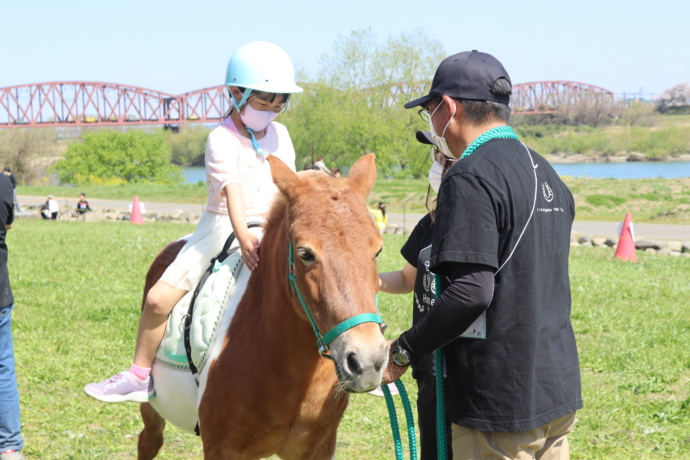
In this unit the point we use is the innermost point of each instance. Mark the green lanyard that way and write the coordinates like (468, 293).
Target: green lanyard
(500, 132)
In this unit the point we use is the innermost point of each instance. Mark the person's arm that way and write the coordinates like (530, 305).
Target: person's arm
(6, 202)
(249, 243)
(468, 295)
(398, 282)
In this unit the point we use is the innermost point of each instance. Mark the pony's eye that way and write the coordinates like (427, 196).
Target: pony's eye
(378, 253)
(305, 255)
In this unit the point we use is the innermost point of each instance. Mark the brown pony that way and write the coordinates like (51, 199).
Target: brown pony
(268, 390)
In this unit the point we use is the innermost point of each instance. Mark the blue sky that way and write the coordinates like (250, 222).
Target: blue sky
(179, 46)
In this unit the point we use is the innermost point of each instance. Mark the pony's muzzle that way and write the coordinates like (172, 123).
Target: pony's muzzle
(361, 357)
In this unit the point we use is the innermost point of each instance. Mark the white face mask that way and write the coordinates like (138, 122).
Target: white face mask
(440, 141)
(257, 120)
(435, 176)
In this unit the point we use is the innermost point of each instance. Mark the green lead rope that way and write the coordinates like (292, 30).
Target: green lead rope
(409, 419)
(441, 440)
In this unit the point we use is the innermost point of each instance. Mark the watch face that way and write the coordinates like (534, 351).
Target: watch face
(401, 359)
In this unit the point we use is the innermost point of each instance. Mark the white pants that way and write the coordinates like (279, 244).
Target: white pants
(204, 244)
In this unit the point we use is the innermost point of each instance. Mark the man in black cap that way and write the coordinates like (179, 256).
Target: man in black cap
(500, 247)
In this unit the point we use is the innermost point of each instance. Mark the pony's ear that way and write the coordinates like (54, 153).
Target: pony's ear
(363, 175)
(285, 178)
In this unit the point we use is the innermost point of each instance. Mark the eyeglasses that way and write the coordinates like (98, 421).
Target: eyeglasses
(436, 155)
(424, 111)
(434, 152)
(424, 114)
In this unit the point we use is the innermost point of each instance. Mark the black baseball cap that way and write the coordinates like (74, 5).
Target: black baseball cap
(425, 138)
(466, 76)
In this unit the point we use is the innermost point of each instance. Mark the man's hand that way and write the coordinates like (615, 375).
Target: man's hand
(392, 372)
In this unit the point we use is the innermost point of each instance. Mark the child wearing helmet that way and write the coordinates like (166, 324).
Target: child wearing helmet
(260, 78)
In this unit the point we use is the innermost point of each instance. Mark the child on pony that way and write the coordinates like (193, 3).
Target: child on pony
(260, 78)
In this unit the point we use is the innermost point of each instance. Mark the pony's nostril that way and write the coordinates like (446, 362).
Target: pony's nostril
(378, 364)
(353, 364)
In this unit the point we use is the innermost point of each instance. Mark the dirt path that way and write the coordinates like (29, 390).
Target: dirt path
(406, 221)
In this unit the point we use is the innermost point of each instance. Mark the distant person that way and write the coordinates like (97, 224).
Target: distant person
(52, 208)
(11, 441)
(82, 205)
(260, 78)
(321, 166)
(308, 167)
(500, 247)
(335, 172)
(8, 172)
(45, 215)
(380, 218)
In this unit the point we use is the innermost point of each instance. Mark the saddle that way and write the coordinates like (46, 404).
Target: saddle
(193, 323)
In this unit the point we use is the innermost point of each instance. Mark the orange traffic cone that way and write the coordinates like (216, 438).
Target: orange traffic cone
(135, 216)
(626, 246)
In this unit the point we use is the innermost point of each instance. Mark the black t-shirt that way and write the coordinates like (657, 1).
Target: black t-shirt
(417, 251)
(83, 206)
(6, 218)
(526, 372)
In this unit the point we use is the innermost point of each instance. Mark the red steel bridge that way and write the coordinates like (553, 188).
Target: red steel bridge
(79, 103)
(555, 96)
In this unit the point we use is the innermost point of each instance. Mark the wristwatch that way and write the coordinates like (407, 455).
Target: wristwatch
(401, 357)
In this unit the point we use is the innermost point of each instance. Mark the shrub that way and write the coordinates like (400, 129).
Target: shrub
(118, 157)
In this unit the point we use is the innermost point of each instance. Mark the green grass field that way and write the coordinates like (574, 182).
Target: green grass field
(78, 287)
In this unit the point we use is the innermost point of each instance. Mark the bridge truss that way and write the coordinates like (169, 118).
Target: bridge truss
(70, 104)
(106, 104)
(554, 96)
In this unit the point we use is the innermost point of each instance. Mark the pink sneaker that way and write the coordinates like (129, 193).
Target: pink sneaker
(12, 455)
(122, 387)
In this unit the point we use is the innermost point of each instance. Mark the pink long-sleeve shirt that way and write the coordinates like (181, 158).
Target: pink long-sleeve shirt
(231, 159)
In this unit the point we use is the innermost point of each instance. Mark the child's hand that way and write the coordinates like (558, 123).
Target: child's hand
(250, 250)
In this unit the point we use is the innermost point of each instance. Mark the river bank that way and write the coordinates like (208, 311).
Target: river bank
(576, 158)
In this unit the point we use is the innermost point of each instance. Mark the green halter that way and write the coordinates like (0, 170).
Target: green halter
(324, 340)
(500, 132)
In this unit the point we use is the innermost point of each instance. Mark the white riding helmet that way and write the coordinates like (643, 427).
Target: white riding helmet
(262, 66)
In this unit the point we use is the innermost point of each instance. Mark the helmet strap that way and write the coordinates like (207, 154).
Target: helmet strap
(238, 105)
(245, 96)
(255, 143)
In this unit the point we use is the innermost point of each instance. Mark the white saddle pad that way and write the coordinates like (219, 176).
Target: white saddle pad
(208, 311)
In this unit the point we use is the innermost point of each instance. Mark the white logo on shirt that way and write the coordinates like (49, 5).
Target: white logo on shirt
(546, 190)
